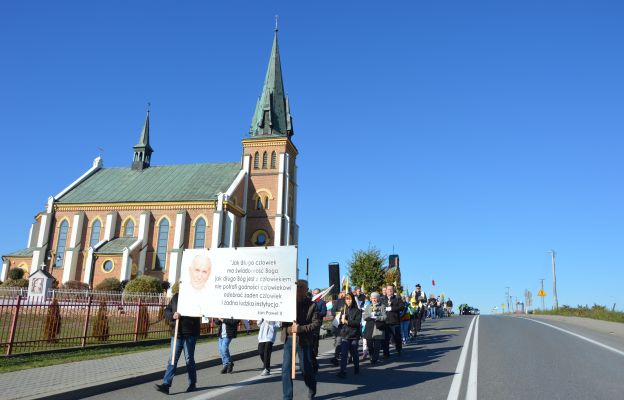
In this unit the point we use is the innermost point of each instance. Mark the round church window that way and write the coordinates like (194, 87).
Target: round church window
(107, 266)
(260, 238)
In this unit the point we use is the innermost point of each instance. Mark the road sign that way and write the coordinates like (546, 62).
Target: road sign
(541, 293)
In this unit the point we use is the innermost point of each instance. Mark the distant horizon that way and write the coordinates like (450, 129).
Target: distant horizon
(471, 138)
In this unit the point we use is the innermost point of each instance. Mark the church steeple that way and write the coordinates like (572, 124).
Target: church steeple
(142, 150)
(272, 116)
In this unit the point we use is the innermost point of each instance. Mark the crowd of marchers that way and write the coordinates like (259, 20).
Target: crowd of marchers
(376, 320)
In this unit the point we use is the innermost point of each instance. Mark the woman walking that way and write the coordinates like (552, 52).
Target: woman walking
(374, 330)
(351, 321)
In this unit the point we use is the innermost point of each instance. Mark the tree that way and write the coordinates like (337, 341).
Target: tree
(100, 327)
(15, 274)
(393, 277)
(366, 269)
(144, 284)
(52, 325)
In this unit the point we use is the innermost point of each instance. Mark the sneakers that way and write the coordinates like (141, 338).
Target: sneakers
(341, 374)
(311, 394)
(192, 387)
(225, 368)
(162, 388)
(266, 372)
(230, 367)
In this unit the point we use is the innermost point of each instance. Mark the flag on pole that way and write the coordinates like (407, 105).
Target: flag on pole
(322, 294)
(433, 282)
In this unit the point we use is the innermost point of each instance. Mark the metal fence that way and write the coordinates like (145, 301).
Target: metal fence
(78, 319)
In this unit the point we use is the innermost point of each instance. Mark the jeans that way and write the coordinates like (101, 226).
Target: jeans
(349, 346)
(405, 327)
(305, 361)
(186, 343)
(224, 350)
(393, 331)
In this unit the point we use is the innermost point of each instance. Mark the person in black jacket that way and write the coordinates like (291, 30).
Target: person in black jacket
(188, 332)
(394, 306)
(350, 331)
(226, 331)
(306, 324)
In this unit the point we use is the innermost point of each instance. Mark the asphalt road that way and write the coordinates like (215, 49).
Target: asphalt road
(489, 357)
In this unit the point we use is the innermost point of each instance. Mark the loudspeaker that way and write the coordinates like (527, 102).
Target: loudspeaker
(334, 279)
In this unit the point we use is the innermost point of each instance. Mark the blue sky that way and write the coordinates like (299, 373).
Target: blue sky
(470, 136)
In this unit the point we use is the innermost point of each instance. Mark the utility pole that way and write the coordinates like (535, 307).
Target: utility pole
(543, 306)
(555, 303)
(507, 297)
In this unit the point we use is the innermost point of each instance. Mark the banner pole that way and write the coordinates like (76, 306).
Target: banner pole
(175, 339)
(294, 355)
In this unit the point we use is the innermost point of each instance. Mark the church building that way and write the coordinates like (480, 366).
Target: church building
(124, 222)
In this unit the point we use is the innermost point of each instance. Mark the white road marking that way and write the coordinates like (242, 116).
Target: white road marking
(253, 379)
(604, 346)
(471, 393)
(224, 390)
(459, 371)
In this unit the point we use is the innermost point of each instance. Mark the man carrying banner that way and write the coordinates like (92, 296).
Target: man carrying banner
(187, 333)
(307, 323)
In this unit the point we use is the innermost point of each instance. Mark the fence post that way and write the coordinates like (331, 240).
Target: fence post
(86, 324)
(136, 323)
(14, 325)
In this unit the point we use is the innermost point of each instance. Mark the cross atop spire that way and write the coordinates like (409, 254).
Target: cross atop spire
(142, 150)
(272, 116)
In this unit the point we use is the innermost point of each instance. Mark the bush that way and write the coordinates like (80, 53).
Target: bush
(109, 285)
(100, 327)
(143, 327)
(75, 285)
(18, 283)
(52, 326)
(144, 284)
(15, 274)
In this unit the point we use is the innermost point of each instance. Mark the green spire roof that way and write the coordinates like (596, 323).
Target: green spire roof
(272, 116)
(142, 150)
(144, 139)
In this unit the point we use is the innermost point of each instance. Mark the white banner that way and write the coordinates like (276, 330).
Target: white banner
(242, 283)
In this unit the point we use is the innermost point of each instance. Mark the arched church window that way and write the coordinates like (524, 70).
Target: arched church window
(60, 245)
(264, 160)
(96, 228)
(266, 202)
(273, 160)
(129, 228)
(259, 203)
(161, 248)
(257, 160)
(200, 234)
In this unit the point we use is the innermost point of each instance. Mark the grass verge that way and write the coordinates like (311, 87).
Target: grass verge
(594, 312)
(27, 361)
